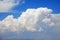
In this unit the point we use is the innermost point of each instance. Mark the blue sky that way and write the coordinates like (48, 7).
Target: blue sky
(30, 19)
(25, 4)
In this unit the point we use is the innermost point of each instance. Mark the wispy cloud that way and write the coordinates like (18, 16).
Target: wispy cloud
(6, 5)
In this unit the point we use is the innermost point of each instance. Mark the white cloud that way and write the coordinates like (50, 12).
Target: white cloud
(30, 20)
(6, 5)
(56, 20)
(48, 21)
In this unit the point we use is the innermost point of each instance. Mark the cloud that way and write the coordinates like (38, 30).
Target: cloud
(39, 23)
(32, 20)
(6, 5)
(56, 20)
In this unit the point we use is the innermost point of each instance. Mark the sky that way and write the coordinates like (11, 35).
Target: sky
(25, 4)
(29, 19)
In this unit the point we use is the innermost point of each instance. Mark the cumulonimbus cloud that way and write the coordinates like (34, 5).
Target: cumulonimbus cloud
(6, 5)
(30, 20)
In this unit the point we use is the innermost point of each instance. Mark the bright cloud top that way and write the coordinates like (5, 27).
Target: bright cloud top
(31, 20)
(6, 5)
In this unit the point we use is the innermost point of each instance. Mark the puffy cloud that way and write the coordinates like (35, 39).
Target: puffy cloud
(10, 24)
(48, 21)
(6, 5)
(31, 20)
